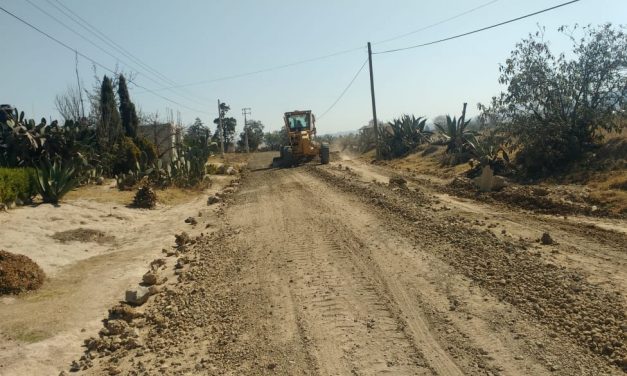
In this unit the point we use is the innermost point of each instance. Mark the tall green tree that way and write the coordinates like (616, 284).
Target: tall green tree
(109, 129)
(254, 129)
(228, 130)
(128, 114)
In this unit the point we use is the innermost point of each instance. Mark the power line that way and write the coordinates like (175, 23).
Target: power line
(437, 23)
(104, 38)
(478, 30)
(230, 77)
(100, 35)
(94, 61)
(343, 52)
(345, 90)
(100, 48)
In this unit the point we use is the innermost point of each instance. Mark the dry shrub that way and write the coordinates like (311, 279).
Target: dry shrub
(19, 273)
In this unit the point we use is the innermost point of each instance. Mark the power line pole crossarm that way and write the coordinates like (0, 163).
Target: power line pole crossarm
(375, 123)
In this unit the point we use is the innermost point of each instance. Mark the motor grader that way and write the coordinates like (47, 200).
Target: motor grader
(302, 147)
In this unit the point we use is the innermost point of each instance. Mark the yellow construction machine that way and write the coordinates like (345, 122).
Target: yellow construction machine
(302, 148)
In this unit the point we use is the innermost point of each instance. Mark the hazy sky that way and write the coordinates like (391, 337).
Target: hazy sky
(193, 41)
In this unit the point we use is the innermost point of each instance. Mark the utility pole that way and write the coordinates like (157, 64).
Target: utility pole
(221, 130)
(246, 111)
(374, 104)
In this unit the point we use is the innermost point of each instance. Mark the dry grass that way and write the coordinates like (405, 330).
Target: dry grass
(83, 235)
(612, 189)
(427, 160)
(108, 194)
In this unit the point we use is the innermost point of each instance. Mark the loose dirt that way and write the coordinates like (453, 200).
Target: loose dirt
(102, 247)
(323, 270)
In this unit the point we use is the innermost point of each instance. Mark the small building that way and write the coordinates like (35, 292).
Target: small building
(165, 136)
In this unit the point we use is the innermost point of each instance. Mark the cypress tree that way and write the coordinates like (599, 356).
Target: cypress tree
(130, 121)
(110, 125)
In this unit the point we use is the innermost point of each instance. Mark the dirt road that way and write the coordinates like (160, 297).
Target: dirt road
(319, 270)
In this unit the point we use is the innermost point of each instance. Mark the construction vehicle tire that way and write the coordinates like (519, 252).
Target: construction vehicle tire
(324, 153)
(288, 157)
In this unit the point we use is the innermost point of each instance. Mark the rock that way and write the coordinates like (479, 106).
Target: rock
(153, 290)
(123, 312)
(230, 171)
(116, 327)
(137, 296)
(150, 278)
(398, 181)
(487, 181)
(75, 367)
(546, 239)
(157, 263)
(191, 220)
(213, 200)
(182, 239)
(99, 180)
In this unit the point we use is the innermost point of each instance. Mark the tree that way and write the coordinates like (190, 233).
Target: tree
(69, 104)
(254, 129)
(128, 114)
(109, 129)
(197, 134)
(554, 106)
(275, 139)
(228, 129)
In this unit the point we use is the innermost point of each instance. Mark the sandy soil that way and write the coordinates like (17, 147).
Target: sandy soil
(42, 332)
(318, 270)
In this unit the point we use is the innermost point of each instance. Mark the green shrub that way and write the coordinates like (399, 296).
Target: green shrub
(17, 183)
(147, 149)
(127, 155)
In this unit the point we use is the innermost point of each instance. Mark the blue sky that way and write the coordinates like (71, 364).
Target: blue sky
(194, 41)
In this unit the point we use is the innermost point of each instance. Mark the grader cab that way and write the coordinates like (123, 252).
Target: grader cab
(302, 147)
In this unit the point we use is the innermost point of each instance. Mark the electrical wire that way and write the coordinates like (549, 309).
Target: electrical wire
(234, 76)
(94, 61)
(83, 23)
(437, 23)
(343, 52)
(344, 91)
(160, 83)
(476, 30)
(103, 37)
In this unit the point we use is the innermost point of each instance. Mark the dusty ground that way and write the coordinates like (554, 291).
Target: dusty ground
(324, 270)
(92, 248)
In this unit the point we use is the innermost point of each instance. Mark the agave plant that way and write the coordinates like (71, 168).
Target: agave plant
(403, 135)
(488, 150)
(455, 134)
(54, 180)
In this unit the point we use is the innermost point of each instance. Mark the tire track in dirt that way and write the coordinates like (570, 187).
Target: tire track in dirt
(538, 289)
(347, 323)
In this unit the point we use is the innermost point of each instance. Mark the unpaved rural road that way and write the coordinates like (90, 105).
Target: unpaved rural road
(318, 270)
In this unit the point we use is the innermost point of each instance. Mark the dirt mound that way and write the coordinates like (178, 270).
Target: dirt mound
(83, 235)
(18, 273)
(559, 200)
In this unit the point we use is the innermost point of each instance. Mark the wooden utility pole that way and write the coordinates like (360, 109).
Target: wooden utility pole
(80, 91)
(221, 129)
(374, 104)
(246, 111)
